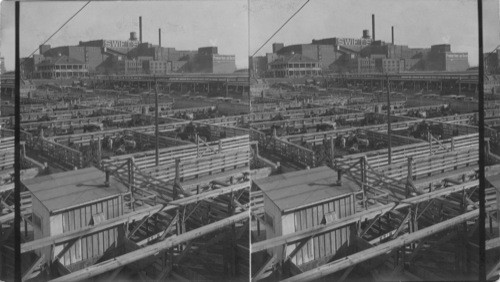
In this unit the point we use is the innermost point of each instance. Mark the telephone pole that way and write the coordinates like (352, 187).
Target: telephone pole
(157, 133)
(389, 152)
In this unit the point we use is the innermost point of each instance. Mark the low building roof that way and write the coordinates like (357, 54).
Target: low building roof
(60, 60)
(299, 189)
(66, 190)
(294, 58)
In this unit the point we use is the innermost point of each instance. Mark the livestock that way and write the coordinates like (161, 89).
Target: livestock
(340, 141)
(324, 127)
(363, 142)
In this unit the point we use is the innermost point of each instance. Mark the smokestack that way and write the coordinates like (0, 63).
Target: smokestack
(140, 29)
(159, 37)
(373, 27)
(392, 32)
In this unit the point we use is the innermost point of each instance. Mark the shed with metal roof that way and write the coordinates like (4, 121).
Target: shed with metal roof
(300, 200)
(68, 201)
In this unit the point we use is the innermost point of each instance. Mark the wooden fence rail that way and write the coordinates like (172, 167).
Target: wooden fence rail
(301, 122)
(167, 156)
(396, 140)
(66, 114)
(422, 167)
(163, 141)
(59, 153)
(6, 153)
(84, 138)
(77, 122)
(195, 168)
(317, 137)
(293, 152)
(400, 153)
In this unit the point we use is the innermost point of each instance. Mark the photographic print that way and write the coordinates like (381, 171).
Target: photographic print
(133, 163)
(368, 116)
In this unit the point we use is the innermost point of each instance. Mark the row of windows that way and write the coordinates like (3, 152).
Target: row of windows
(307, 65)
(134, 64)
(392, 63)
(62, 74)
(159, 64)
(295, 73)
(63, 67)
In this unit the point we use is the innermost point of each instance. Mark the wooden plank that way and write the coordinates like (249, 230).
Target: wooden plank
(35, 265)
(366, 214)
(359, 257)
(151, 250)
(137, 215)
(492, 243)
(257, 276)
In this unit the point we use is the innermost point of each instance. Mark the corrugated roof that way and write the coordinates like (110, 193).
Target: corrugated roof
(61, 60)
(294, 58)
(298, 189)
(65, 190)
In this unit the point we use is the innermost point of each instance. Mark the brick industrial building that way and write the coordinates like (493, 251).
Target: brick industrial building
(294, 65)
(127, 57)
(62, 67)
(360, 55)
(378, 56)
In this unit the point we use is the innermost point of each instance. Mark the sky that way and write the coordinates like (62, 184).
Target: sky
(417, 23)
(225, 23)
(185, 25)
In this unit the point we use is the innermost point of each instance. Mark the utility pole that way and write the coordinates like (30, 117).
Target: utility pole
(157, 143)
(389, 152)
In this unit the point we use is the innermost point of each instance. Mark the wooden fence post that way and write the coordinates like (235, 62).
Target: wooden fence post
(177, 178)
(132, 176)
(487, 147)
(99, 152)
(23, 147)
(197, 145)
(80, 160)
(430, 142)
(332, 153)
(362, 162)
(409, 177)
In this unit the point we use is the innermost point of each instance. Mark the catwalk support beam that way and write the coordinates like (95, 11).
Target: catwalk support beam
(361, 216)
(362, 256)
(137, 215)
(150, 250)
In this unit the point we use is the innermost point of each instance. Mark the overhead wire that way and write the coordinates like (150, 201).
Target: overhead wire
(281, 27)
(61, 27)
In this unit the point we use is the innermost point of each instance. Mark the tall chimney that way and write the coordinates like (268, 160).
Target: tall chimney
(392, 32)
(159, 37)
(140, 29)
(373, 27)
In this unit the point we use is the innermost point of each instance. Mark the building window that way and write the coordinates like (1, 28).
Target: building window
(98, 218)
(329, 217)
